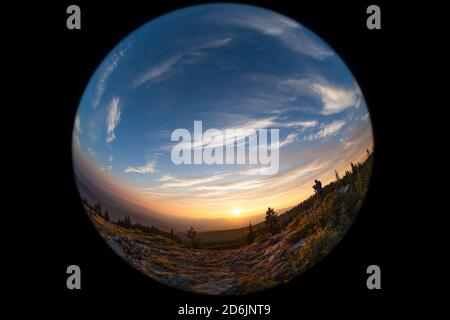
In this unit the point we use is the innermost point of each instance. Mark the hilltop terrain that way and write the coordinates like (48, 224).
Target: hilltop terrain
(312, 230)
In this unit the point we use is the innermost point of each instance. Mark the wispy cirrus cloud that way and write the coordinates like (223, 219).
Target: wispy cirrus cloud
(109, 69)
(302, 124)
(165, 177)
(164, 68)
(173, 182)
(76, 132)
(236, 186)
(77, 141)
(158, 71)
(336, 99)
(78, 124)
(248, 184)
(112, 119)
(289, 139)
(91, 152)
(216, 43)
(268, 25)
(289, 32)
(239, 132)
(249, 180)
(149, 167)
(328, 130)
(365, 117)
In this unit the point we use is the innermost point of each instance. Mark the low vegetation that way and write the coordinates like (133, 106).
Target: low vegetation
(271, 252)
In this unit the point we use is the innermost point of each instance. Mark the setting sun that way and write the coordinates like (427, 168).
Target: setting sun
(236, 212)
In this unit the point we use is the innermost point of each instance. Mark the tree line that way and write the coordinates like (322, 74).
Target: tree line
(357, 180)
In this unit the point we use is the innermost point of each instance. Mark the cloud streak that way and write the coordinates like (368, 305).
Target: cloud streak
(289, 32)
(78, 124)
(164, 68)
(149, 167)
(336, 99)
(216, 43)
(328, 130)
(112, 120)
(102, 82)
(289, 139)
(244, 130)
(188, 182)
(158, 71)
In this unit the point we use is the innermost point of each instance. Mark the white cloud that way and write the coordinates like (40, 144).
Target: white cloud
(101, 85)
(328, 130)
(289, 139)
(157, 71)
(188, 182)
(112, 120)
(165, 177)
(336, 99)
(78, 124)
(302, 43)
(365, 117)
(244, 130)
(348, 143)
(289, 32)
(259, 182)
(149, 167)
(259, 123)
(216, 43)
(108, 168)
(303, 124)
(92, 152)
(76, 138)
(272, 27)
(240, 132)
(237, 186)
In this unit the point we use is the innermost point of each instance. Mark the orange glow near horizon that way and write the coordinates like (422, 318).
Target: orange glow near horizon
(246, 204)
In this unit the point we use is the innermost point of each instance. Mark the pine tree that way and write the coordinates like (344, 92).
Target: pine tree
(127, 222)
(250, 234)
(98, 208)
(192, 236)
(106, 216)
(337, 175)
(272, 223)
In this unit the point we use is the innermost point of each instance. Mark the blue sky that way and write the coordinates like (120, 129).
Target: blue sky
(231, 66)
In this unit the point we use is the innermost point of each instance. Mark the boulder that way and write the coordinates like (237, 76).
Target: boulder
(298, 245)
(138, 248)
(178, 280)
(116, 247)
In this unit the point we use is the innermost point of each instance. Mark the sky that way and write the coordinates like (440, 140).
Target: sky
(229, 66)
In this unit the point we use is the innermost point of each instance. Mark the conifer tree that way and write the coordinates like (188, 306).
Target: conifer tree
(192, 236)
(106, 216)
(272, 223)
(251, 234)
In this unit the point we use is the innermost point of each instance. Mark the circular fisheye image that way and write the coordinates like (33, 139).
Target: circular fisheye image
(222, 149)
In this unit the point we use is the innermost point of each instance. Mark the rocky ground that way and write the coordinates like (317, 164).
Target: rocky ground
(268, 261)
